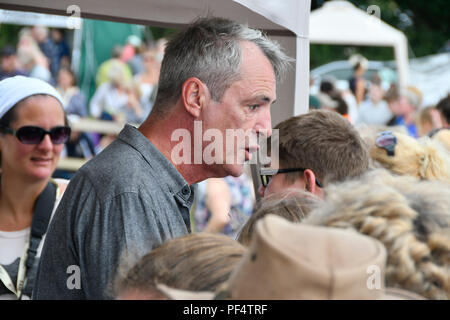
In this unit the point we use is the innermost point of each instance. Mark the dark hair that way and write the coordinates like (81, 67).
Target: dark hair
(357, 66)
(392, 94)
(67, 69)
(326, 86)
(7, 51)
(210, 50)
(444, 107)
(342, 107)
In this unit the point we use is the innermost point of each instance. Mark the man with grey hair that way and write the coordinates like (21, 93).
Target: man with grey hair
(136, 194)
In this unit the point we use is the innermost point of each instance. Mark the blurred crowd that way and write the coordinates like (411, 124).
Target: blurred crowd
(371, 159)
(376, 102)
(126, 83)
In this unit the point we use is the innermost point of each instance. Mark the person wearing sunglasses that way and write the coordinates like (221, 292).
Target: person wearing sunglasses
(313, 148)
(33, 131)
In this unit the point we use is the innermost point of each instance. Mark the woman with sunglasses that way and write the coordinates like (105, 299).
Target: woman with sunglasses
(33, 130)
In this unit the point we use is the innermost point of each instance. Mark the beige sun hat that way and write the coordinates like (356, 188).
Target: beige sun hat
(293, 261)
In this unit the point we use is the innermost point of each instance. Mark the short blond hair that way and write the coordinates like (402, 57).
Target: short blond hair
(197, 262)
(443, 136)
(423, 158)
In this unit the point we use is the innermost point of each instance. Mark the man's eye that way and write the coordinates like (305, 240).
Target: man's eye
(253, 107)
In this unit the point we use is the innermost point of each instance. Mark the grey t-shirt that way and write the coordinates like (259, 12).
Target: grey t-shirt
(129, 197)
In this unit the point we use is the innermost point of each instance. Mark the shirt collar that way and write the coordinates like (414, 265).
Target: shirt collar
(166, 173)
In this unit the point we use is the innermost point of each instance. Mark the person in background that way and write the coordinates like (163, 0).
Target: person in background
(8, 63)
(31, 58)
(314, 103)
(330, 98)
(80, 144)
(428, 120)
(148, 80)
(404, 105)
(374, 111)
(103, 72)
(48, 48)
(33, 130)
(223, 205)
(443, 107)
(357, 83)
(117, 99)
(74, 100)
(62, 49)
(132, 54)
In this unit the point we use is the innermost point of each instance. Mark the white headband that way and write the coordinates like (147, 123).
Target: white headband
(15, 89)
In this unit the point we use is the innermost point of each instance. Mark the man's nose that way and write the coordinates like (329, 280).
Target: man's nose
(264, 125)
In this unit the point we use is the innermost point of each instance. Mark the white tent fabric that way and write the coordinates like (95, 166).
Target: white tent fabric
(286, 21)
(340, 22)
(31, 18)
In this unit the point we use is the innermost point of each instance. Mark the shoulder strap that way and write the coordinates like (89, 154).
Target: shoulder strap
(41, 217)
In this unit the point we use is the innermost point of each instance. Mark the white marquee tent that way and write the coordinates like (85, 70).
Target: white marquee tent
(340, 22)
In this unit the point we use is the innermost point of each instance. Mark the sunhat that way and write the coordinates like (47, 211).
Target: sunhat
(294, 261)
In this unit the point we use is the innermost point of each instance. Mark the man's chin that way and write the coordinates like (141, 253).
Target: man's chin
(234, 170)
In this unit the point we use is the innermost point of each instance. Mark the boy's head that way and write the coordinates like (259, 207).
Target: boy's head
(318, 147)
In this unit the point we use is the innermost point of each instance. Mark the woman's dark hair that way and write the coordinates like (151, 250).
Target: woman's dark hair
(74, 77)
(342, 107)
(326, 86)
(357, 66)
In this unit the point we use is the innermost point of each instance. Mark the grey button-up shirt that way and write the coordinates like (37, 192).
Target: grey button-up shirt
(129, 197)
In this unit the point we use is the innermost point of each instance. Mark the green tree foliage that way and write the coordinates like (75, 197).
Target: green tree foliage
(9, 34)
(425, 24)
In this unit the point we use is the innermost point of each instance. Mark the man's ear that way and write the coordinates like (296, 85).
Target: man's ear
(195, 96)
(310, 181)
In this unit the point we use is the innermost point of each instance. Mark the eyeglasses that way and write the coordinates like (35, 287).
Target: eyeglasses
(34, 135)
(387, 141)
(266, 174)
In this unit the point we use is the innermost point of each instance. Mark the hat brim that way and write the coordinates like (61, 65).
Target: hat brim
(178, 294)
(400, 294)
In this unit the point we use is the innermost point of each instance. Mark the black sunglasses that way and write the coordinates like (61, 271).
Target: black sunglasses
(387, 141)
(34, 135)
(266, 174)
